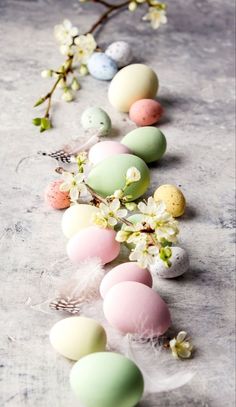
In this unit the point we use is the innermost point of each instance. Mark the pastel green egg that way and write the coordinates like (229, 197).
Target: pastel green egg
(75, 337)
(110, 174)
(97, 119)
(107, 379)
(148, 143)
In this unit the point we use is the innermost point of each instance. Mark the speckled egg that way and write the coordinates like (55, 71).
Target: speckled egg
(148, 143)
(135, 308)
(120, 52)
(75, 337)
(132, 83)
(129, 271)
(97, 119)
(173, 199)
(76, 218)
(179, 264)
(101, 66)
(54, 197)
(93, 242)
(110, 174)
(145, 112)
(106, 379)
(105, 149)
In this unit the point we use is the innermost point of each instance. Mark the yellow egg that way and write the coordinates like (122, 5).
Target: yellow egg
(75, 337)
(132, 83)
(172, 197)
(77, 217)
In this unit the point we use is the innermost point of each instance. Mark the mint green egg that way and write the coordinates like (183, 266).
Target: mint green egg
(110, 174)
(148, 143)
(97, 119)
(106, 379)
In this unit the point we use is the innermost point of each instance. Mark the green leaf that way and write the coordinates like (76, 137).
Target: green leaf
(45, 124)
(36, 121)
(39, 102)
(165, 242)
(165, 254)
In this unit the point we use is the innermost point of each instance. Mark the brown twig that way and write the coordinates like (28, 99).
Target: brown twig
(63, 75)
(106, 14)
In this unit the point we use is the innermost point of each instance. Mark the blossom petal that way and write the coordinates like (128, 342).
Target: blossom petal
(115, 205)
(74, 194)
(65, 187)
(181, 336)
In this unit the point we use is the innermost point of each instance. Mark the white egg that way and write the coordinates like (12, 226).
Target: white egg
(179, 264)
(120, 52)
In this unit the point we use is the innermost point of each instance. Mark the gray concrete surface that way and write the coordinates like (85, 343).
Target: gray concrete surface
(193, 56)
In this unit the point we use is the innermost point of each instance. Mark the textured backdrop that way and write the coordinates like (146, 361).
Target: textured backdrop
(193, 56)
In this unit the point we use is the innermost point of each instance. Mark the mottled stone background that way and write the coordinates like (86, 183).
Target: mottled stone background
(193, 56)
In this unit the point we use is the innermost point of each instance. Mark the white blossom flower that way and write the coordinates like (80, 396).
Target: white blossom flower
(145, 255)
(66, 50)
(74, 184)
(133, 175)
(156, 216)
(109, 214)
(85, 46)
(65, 32)
(156, 17)
(181, 347)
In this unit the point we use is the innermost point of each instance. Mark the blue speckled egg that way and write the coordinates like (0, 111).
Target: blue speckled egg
(101, 66)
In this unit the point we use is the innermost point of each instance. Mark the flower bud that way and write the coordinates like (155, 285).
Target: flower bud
(46, 73)
(132, 6)
(75, 85)
(83, 70)
(67, 96)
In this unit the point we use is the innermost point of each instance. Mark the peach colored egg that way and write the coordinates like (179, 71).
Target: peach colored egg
(129, 271)
(134, 308)
(56, 198)
(104, 149)
(145, 112)
(93, 242)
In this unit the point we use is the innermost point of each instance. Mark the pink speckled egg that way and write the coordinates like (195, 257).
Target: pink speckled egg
(93, 242)
(56, 198)
(134, 308)
(145, 112)
(104, 149)
(129, 271)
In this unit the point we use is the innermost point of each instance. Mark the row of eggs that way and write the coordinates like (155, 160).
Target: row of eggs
(130, 305)
(169, 194)
(104, 65)
(98, 378)
(132, 90)
(84, 340)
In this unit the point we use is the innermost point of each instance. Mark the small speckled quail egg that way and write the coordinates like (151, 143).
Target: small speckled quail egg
(120, 52)
(179, 264)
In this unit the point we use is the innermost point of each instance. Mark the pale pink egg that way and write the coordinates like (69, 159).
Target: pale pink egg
(56, 198)
(145, 112)
(134, 308)
(125, 272)
(93, 242)
(104, 149)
